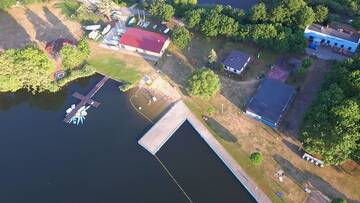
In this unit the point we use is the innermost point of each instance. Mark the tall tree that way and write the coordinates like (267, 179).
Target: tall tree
(203, 83)
(258, 13)
(162, 10)
(321, 13)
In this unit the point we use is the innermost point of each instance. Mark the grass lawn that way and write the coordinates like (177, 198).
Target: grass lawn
(115, 69)
(73, 9)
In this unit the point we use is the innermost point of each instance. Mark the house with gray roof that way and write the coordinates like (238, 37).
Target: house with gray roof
(270, 101)
(338, 36)
(236, 62)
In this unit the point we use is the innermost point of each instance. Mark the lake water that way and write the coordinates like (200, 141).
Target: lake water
(44, 160)
(243, 4)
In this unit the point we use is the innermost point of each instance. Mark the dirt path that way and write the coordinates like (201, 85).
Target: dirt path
(308, 91)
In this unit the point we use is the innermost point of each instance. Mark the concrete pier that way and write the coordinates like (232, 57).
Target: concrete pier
(159, 133)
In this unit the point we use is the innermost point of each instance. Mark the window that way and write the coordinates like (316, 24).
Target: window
(322, 41)
(349, 48)
(311, 37)
(328, 42)
(342, 46)
(335, 44)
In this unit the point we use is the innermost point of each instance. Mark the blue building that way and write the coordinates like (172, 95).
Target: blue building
(270, 101)
(340, 37)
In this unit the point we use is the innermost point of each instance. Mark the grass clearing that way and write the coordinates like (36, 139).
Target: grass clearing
(115, 69)
(75, 11)
(68, 7)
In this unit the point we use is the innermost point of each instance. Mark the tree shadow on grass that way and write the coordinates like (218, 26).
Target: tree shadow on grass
(221, 131)
(12, 34)
(293, 147)
(302, 177)
(50, 29)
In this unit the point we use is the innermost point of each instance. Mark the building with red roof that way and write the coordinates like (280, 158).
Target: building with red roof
(144, 42)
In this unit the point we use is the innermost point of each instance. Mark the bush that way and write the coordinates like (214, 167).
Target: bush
(83, 46)
(356, 23)
(71, 57)
(181, 37)
(256, 158)
(338, 200)
(203, 83)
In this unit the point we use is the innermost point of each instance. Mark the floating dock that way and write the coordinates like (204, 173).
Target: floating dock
(86, 99)
(162, 130)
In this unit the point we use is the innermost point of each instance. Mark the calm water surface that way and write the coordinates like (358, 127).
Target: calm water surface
(43, 160)
(243, 4)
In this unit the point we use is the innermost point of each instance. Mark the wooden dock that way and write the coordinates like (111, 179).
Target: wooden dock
(159, 133)
(86, 99)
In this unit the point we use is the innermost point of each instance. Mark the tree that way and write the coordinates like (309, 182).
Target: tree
(210, 25)
(193, 17)
(321, 13)
(278, 15)
(181, 37)
(305, 17)
(212, 57)
(28, 68)
(203, 83)
(356, 23)
(256, 158)
(258, 13)
(71, 57)
(331, 126)
(83, 46)
(338, 200)
(162, 10)
(228, 26)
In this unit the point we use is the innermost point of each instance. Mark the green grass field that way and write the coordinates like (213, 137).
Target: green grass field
(115, 69)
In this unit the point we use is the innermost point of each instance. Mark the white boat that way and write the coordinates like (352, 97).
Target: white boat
(92, 27)
(106, 29)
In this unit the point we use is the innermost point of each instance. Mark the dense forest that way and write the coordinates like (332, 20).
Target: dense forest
(331, 126)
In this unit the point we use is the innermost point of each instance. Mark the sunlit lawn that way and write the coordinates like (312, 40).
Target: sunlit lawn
(115, 69)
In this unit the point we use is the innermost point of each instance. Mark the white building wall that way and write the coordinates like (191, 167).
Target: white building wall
(331, 40)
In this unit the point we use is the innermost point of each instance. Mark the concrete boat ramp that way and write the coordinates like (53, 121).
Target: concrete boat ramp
(159, 133)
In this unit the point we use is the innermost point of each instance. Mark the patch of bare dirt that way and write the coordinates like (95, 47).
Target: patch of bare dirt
(307, 93)
(39, 23)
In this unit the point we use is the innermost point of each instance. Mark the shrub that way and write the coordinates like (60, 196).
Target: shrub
(203, 83)
(338, 200)
(356, 23)
(256, 158)
(181, 37)
(83, 46)
(71, 57)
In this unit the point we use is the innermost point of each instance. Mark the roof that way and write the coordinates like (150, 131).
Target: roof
(339, 32)
(149, 41)
(236, 60)
(271, 99)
